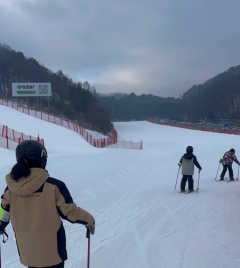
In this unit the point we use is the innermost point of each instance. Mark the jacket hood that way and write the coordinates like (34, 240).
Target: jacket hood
(27, 185)
(188, 155)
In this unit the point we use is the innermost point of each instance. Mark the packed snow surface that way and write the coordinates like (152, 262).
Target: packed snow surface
(142, 221)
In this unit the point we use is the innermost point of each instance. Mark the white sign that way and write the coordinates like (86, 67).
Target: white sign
(31, 89)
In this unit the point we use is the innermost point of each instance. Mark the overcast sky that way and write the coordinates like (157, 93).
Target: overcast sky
(162, 47)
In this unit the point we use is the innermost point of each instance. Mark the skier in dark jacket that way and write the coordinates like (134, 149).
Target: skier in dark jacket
(227, 161)
(187, 162)
(35, 204)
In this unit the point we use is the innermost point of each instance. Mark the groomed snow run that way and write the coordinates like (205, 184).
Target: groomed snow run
(142, 221)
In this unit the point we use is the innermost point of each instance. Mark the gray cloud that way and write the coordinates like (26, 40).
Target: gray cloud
(158, 47)
(44, 9)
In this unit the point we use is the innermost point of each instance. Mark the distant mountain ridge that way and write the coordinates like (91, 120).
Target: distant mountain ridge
(71, 100)
(116, 95)
(217, 98)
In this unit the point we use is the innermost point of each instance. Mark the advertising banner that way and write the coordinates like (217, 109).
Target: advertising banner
(31, 89)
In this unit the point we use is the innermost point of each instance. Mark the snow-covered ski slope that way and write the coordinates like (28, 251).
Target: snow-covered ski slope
(141, 220)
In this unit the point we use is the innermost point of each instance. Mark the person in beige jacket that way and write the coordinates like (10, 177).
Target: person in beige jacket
(34, 202)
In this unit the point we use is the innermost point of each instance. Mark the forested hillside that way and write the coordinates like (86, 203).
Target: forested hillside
(71, 100)
(217, 98)
(132, 107)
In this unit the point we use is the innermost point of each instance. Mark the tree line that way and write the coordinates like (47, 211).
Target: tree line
(218, 98)
(74, 101)
(133, 107)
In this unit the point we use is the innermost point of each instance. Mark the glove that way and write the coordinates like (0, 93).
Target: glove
(3, 225)
(91, 228)
(220, 161)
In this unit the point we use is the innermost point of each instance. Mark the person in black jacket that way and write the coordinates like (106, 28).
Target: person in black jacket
(187, 162)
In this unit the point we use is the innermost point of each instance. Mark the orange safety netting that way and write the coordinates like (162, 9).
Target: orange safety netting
(194, 127)
(127, 145)
(102, 142)
(10, 138)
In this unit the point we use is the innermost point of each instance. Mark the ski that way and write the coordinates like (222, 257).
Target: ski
(189, 192)
(225, 179)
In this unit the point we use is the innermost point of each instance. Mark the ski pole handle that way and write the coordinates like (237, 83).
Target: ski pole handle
(88, 233)
(88, 256)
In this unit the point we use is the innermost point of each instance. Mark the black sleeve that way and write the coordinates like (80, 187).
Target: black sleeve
(3, 225)
(196, 162)
(4, 211)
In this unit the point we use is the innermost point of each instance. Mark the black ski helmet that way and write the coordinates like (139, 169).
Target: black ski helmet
(232, 150)
(189, 149)
(30, 149)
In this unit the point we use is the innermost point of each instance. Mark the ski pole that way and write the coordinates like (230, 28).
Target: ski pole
(88, 257)
(238, 173)
(4, 241)
(217, 171)
(198, 182)
(0, 256)
(177, 178)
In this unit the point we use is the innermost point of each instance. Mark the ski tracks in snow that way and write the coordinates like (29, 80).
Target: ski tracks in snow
(180, 236)
(138, 178)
